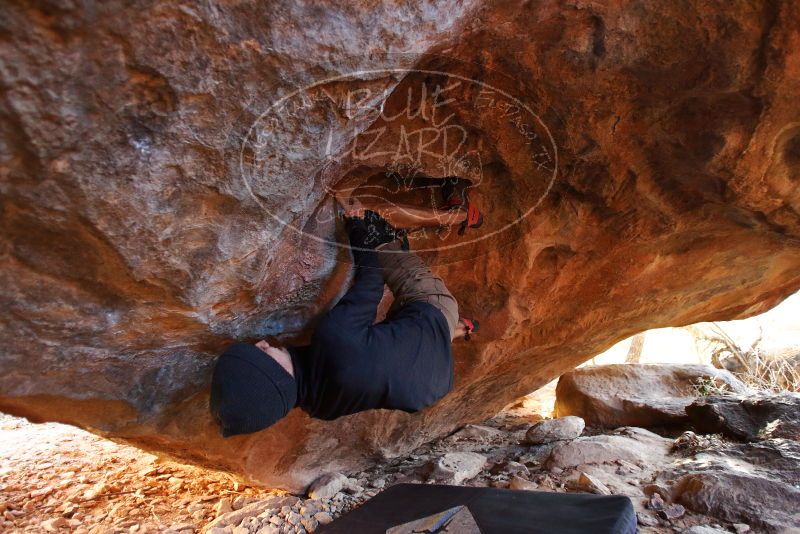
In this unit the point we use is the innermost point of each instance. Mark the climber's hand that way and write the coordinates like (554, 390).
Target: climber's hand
(350, 206)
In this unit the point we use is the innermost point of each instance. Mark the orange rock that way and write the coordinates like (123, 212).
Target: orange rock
(632, 175)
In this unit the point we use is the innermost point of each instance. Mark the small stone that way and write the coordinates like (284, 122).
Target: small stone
(267, 513)
(704, 529)
(327, 486)
(310, 524)
(269, 529)
(477, 432)
(545, 482)
(519, 483)
(251, 523)
(147, 471)
(587, 482)
(276, 520)
(70, 509)
(241, 501)
(655, 502)
(52, 525)
(550, 430)
(223, 506)
(42, 492)
(651, 489)
(95, 490)
(456, 467)
(194, 507)
(353, 487)
(293, 518)
(646, 520)
(240, 530)
(323, 518)
(378, 483)
(29, 506)
(671, 512)
(511, 468)
(628, 466)
(741, 528)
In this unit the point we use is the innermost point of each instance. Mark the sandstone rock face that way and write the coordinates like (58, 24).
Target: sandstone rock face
(755, 483)
(768, 504)
(166, 191)
(633, 445)
(748, 418)
(637, 395)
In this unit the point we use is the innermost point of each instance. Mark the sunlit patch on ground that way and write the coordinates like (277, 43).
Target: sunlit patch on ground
(58, 477)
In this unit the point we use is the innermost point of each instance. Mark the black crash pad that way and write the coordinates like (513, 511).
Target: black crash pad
(494, 510)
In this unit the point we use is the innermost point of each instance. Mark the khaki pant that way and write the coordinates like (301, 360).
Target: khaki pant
(410, 280)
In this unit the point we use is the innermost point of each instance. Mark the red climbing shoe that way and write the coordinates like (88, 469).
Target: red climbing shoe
(455, 195)
(471, 325)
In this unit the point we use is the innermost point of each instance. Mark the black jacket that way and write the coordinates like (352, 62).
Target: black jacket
(402, 363)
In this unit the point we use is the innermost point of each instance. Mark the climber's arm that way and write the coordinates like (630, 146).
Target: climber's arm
(359, 305)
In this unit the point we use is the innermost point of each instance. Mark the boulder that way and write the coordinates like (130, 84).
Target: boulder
(768, 504)
(327, 486)
(456, 467)
(748, 418)
(777, 459)
(167, 172)
(635, 445)
(643, 395)
(551, 430)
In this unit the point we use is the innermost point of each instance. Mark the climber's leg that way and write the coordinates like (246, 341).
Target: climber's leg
(410, 280)
(406, 216)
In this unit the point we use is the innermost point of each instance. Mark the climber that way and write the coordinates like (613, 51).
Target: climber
(403, 363)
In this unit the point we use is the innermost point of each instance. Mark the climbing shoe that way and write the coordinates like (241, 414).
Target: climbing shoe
(380, 231)
(454, 191)
(471, 325)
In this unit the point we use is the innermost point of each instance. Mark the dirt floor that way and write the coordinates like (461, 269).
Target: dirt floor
(57, 477)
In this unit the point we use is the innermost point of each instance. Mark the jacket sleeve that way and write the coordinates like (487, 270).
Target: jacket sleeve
(360, 304)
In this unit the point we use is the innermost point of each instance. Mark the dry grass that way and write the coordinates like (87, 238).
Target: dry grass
(752, 365)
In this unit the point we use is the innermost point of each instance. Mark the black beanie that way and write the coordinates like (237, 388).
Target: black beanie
(250, 390)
